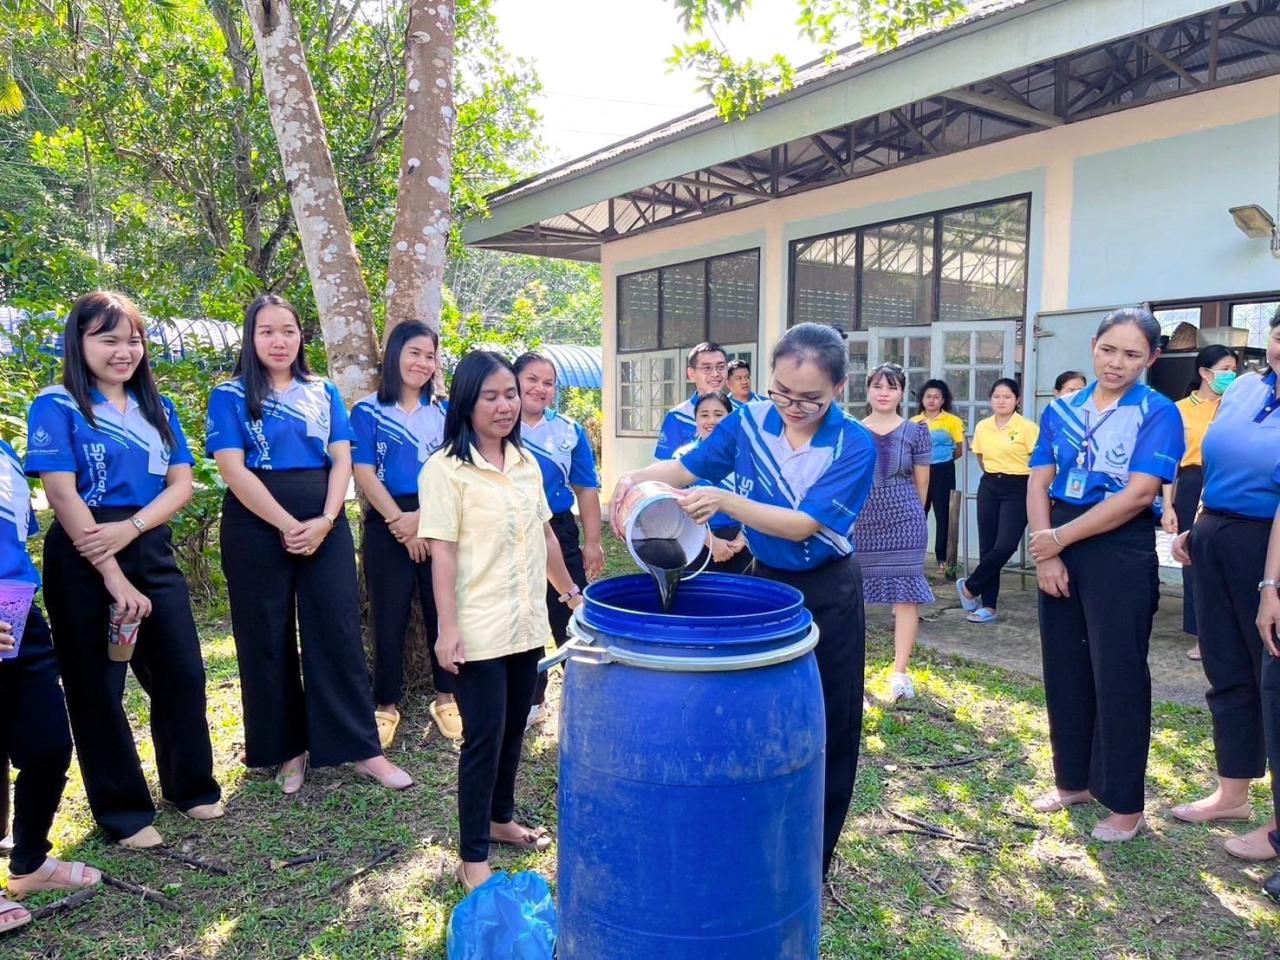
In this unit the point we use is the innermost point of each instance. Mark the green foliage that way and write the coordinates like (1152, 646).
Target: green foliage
(584, 405)
(738, 88)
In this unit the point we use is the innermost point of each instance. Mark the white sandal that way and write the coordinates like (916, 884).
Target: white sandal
(7, 907)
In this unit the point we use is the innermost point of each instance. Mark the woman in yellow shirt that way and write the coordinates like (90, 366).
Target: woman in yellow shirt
(1215, 371)
(946, 438)
(492, 550)
(1002, 443)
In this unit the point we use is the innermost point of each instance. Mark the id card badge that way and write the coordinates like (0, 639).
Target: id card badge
(1076, 478)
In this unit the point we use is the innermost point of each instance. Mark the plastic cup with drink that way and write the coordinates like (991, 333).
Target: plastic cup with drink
(122, 634)
(15, 604)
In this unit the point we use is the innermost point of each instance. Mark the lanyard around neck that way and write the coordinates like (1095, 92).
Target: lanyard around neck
(1089, 432)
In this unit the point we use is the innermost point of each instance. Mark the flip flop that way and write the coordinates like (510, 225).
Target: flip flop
(983, 615)
(44, 879)
(969, 604)
(388, 722)
(536, 840)
(7, 907)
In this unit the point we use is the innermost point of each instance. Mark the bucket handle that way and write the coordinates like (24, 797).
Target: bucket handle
(583, 642)
(706, 560)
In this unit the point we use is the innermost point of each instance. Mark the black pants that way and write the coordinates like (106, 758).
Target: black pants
(1094, 643)
(566, 530)
(277, 596)
(36, 738)
(1002, 519)
(1186, 500)
(1227, 558)
(942, 480)
(392, 578)
(168, 666)
(494, 697)
(833, 594)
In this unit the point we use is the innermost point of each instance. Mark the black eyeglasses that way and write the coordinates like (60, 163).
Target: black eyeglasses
(783, 402)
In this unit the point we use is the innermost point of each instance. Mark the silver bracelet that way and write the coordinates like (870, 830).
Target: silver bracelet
(1053, 532)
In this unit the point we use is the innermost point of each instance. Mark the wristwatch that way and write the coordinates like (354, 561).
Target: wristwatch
(1263, 584)
(333, 520)
(138, 522)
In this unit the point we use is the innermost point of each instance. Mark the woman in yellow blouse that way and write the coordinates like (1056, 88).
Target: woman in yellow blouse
(493, 550)
(1002, 443)
(946, 439)
(1215, 371)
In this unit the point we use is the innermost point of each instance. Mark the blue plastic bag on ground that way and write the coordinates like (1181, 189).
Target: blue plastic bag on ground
(509, 917)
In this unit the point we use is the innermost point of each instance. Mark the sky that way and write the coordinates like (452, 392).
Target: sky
(602, 63)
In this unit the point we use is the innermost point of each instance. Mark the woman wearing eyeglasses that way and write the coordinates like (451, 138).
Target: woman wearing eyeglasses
(804, 468)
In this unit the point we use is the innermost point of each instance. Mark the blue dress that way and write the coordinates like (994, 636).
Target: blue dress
(890, 536)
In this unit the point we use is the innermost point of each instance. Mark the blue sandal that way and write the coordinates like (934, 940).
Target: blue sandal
(983, 615)
(969, 605)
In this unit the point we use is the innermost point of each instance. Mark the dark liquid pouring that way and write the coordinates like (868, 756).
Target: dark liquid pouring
(665, 561)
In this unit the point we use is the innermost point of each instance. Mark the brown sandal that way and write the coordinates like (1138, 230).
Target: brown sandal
(7, 907)
(536, 840)
(45, 879)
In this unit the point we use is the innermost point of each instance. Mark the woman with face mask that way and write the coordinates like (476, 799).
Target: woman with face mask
(1101, 457)
(1227, 550)
(805, 467)
(1215, 371)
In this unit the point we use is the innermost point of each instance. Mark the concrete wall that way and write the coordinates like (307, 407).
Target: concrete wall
(1124, 208)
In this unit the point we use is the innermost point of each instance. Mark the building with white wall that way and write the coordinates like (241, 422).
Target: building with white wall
(967, 204)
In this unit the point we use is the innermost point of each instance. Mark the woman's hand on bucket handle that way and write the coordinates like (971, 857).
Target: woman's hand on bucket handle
(620, 491)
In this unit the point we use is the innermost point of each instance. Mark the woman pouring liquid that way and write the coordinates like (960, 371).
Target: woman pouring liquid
(805, 468)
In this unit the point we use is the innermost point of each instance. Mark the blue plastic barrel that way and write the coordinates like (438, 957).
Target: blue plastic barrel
(691, 774)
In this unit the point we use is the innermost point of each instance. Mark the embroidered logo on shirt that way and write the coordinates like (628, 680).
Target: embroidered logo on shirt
(1117, 456)
(41, 437)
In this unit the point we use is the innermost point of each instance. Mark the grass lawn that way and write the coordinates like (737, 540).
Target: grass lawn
(1023, 885)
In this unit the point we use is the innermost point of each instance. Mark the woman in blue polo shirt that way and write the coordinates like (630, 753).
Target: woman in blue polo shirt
(1227, 550)
(397, 428)
(115, 467)
(38, 740)
(804, 468)
(282, 441)
(563, 451)
(1097, 467)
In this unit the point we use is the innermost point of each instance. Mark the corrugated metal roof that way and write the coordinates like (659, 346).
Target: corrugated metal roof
(806, 78)
(576, 366)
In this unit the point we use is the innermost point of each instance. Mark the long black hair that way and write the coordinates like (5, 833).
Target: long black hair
(257, 382)
(464, 393)
(1206, 358)
(101, 312)
(941, 387)
(389, 382)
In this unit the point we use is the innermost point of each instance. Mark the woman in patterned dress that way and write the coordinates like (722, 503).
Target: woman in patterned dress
(890, 536)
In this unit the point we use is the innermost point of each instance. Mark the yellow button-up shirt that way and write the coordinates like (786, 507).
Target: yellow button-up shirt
(496, 518)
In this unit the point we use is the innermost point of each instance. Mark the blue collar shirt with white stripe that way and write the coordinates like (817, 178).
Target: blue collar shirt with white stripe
(17, 520)
(718, 521)
(828, 478)
(679, 427)
(120, 461)
(1141, 433)
(1242, 450)
(395, 442)
(295, 431)
(563, 451)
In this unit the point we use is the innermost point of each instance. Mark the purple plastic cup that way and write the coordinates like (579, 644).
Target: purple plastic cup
(15, 604)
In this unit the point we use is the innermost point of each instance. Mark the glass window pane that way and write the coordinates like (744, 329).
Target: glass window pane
(897, 274)
(985, 380)
(856, 388)
(990, 348)
(891, 350)
(955, 349)
(958, 380)
(734, 307)
(1256, 318)
(824, 280)
(1170, 320)
(638, 311)
(684, 304)
(984, 262)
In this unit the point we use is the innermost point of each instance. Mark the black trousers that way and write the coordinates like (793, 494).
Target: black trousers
(166, 662)
(392, 578)
(37, 740)
(565, 528)
(1094, 644)
(833, 594)
(280, 602)
(494, 697)
(1227, 558)
(1002, 520)
(1186, 500)
(942, 480)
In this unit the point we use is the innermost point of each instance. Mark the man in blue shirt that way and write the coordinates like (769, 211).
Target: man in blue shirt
(708, 368)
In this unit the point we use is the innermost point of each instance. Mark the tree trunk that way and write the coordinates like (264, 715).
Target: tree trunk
(415, 269)
(337, 282)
